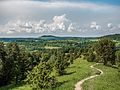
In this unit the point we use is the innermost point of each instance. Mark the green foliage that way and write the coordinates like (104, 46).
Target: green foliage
(91, 55)
(105, 49)
(5, 70)
(19, 59)
(71, 57)
(40, 77)
(14, 63)
(118, 59)
(61, 63)
(118, 55)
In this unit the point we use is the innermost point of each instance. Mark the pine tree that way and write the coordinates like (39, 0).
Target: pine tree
(71, 56)
(19, 59)
(4, 71)
(40, 77)
(118, 60)
(91, 55)
(105, 49)
(61, 63)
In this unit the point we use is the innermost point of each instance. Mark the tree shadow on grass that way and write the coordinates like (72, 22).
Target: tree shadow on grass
(61, 83)
(112, 66)
(70, 73)
(11, 86)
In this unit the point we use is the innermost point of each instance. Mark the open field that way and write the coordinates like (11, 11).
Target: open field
(48, 47)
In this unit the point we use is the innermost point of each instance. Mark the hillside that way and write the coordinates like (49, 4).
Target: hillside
(113, 36)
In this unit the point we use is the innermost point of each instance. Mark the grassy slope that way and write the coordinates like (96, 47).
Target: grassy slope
(75, 72)
(108, 81)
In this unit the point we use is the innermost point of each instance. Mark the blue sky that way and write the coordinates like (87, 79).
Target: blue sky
(33, 18)
(113, 2)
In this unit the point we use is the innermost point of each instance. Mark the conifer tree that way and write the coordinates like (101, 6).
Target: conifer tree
(105, 49)
(40, 77)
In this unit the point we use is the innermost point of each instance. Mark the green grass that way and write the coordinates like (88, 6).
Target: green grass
(75, 72)
(108, 81)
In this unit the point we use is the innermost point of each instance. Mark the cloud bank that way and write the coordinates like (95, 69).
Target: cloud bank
(59, 25)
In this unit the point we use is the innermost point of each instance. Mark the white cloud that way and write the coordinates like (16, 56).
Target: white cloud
(95, 26)
(58, 24)
(110, 25)
(119, 26)
(70, 28)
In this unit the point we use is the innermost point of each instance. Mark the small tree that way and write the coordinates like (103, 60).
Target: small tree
(61, 63)
(18, 58)
(40, 77)
(91, 55)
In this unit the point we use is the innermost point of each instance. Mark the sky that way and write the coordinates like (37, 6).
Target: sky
(80, 18)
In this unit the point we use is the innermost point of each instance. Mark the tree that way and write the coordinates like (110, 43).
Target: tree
(118, 55)
(61, 63)
(118, 60)
(91, 55)
(5, 69)
(40, 77)
(105, 49)
(19, 59)
(71, 56)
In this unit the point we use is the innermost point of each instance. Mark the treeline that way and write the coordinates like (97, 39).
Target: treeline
(37, 68)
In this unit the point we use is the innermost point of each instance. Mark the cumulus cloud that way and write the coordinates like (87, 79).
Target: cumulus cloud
(95, 26)
(58, 24)
(110, 25)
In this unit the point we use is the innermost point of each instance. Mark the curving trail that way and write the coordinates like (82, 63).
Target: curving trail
(78, 86)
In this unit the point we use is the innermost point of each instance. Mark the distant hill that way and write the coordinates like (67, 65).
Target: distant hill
(113, 36)
(48, 36)
(51, 37)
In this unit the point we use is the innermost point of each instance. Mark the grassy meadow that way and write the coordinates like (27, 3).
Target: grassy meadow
(108, 81)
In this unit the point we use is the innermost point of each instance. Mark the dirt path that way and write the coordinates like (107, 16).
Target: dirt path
(78, 86)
